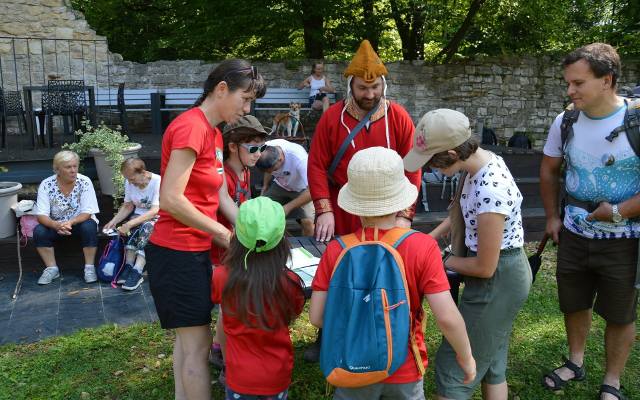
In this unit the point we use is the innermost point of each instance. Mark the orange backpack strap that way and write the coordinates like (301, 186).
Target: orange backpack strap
(347, 242)
(393, 235)
(391, 238)
(414, 345)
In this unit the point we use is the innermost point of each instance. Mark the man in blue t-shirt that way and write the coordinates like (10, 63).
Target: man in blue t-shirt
(598, 236)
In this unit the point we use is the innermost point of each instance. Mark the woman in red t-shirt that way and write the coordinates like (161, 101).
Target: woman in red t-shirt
(260, 298)
(193, 189)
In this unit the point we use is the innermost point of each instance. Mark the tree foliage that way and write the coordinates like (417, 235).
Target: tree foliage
(435, 30)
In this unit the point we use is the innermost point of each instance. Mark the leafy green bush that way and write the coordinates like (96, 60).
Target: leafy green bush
(111, 142)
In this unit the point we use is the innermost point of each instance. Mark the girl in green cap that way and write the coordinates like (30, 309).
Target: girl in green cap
(260, 298)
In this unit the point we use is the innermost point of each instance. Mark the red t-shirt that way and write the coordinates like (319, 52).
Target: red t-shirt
(425, 275)
(258, 362)
(239, 191)
(191, 130)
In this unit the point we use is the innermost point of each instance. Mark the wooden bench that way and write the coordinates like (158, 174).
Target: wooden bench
(278, 99)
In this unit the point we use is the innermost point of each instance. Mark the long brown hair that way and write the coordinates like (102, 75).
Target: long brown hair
(259, 294)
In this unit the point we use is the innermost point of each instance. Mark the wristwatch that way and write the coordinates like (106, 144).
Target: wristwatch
(615, 214)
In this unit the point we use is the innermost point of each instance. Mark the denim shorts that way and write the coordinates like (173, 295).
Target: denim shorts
(489, 307)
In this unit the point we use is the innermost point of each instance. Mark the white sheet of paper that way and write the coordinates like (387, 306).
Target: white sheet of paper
(304, 264)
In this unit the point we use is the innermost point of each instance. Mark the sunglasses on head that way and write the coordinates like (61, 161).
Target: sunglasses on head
(253, 71)
(252, 148)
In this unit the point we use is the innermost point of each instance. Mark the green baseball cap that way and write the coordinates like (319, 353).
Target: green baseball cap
(260, 219)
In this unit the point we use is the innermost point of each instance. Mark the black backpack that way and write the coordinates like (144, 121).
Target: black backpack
(520, 140)
(489, 137)
(630, 124)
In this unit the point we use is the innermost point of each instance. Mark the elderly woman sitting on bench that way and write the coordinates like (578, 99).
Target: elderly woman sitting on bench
(66, 206)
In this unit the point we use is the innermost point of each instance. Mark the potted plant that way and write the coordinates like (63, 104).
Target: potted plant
(109, 147)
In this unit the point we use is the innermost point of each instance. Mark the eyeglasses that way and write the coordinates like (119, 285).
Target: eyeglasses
(253, 148)
(253, 70)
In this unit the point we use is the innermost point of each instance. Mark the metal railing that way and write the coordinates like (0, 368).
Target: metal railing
(32, 61)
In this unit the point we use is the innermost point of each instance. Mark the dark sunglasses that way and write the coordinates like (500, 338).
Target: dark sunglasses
(252, 69)
(253, 148)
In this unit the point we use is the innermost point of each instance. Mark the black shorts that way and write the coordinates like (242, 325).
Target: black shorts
(603, 270)
(180, 283)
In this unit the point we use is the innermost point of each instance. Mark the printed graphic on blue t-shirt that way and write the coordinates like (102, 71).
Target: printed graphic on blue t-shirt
(600, 170)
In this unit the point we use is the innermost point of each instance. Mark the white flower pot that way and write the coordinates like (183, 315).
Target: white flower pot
(104, 169)
(8, 197)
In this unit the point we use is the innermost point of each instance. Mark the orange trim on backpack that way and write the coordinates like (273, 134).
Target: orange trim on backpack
(342, 378)
(387, 327)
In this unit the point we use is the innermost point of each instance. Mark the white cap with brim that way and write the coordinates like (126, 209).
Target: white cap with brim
(438, 130)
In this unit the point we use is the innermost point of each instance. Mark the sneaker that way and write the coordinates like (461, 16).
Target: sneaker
(134, 279)
(90, 274)
(312, 353)
(48, 275)
(215, 358)
(122, 277)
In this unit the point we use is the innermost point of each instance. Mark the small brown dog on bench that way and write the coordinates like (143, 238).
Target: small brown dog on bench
(289, 121)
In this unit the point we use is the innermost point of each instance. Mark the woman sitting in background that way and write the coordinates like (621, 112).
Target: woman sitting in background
(141, 206)
(66, 206)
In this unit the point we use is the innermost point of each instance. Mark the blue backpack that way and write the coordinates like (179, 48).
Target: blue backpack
(367, 317)
(111, 261)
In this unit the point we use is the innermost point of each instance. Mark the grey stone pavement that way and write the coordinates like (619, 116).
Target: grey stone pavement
(66, 305)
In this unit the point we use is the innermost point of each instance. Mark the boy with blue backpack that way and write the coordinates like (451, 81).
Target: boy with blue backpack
(368, 290)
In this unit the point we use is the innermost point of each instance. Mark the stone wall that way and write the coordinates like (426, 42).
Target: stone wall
(507, 94)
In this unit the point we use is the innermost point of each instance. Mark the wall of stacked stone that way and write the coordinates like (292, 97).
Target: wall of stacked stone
(509, 94)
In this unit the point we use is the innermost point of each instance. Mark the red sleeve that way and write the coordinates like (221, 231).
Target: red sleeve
(320, 157)
(325, 268)
(296, 292)
(218, 280)
(190, 135)
(431, 277)
(404, 143)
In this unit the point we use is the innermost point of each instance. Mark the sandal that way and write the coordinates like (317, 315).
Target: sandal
(604, 388)
(579, 374)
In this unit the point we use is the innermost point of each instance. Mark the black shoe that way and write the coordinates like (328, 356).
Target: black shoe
(312, 353)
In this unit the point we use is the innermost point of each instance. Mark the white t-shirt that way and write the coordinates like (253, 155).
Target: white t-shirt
(54, 204)
(588, 178)
(145, 198)
(492, 190)
(292, 175)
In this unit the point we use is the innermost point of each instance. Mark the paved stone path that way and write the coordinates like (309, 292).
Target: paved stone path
(66, 305)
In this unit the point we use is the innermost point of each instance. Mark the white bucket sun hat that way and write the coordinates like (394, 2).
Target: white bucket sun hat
(376, 184)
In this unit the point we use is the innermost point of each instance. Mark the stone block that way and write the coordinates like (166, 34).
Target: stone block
(64, 33)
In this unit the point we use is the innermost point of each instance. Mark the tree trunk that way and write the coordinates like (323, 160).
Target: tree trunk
(372, 31)
(313, 26)
(451, 48)
(410, 24)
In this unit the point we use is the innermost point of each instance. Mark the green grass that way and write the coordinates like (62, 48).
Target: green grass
(134, 362)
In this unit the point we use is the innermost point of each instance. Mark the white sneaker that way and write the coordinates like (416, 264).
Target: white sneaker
(90, 274)
(48, 275)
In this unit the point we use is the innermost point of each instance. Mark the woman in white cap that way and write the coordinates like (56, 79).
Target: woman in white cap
(496, 270)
